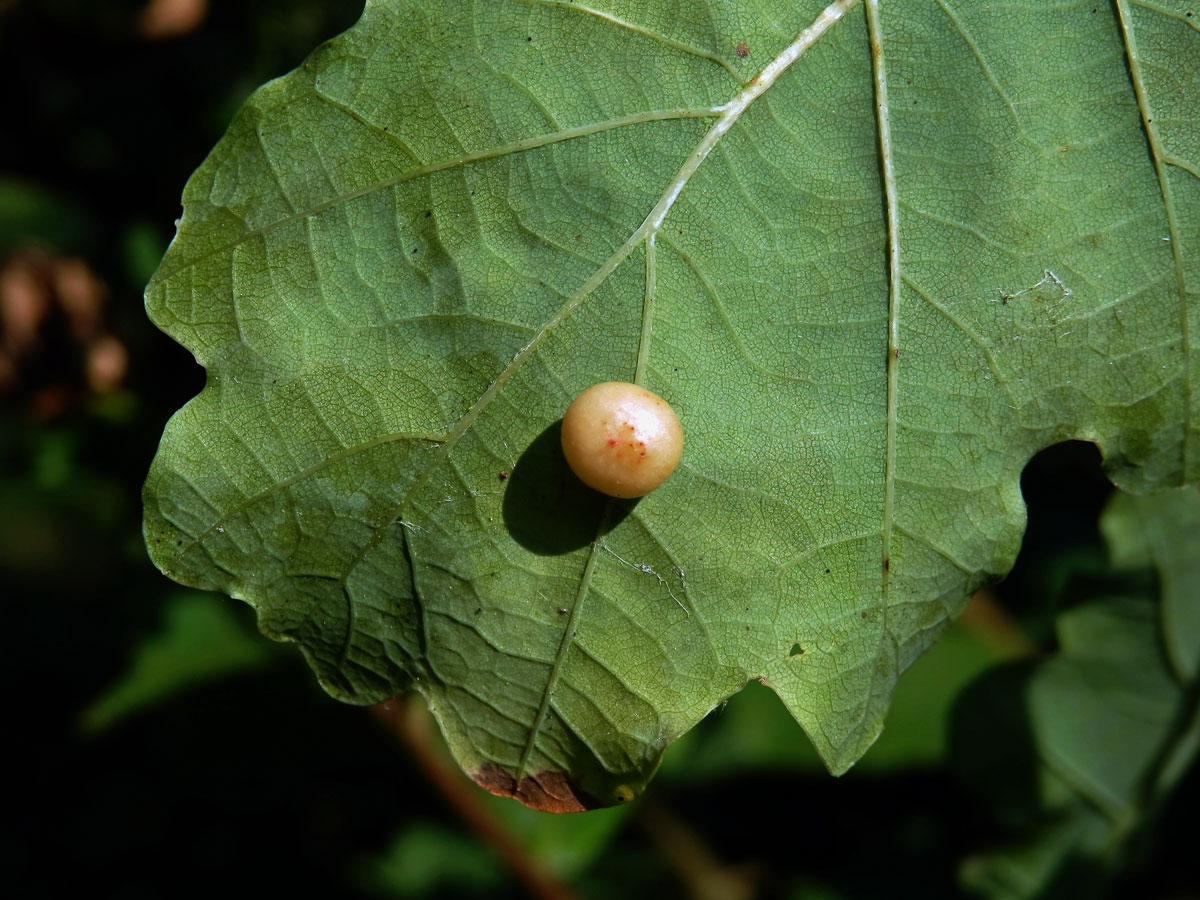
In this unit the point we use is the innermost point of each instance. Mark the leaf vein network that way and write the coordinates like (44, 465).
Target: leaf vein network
(642, 30)
(224, 516)
(525, 144)
(979, 58)
(967, 332)
(727, 116)
(1190, 21)
(1157, 152)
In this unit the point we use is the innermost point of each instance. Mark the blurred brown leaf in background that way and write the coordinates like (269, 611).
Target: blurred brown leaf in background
(163, 19)
(56, 351)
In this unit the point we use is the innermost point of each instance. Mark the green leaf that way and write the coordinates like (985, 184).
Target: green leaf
(1147, 531)
(876, 256)
(1080, 750)
(426, 858)
(752, 733)
(566, 846)
(200, 641)
(30, 213)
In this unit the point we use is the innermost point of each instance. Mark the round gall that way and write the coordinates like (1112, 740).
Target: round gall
(621, 439)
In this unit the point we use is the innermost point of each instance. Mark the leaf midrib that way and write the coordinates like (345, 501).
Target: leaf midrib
(891, 214)
(1161, 161)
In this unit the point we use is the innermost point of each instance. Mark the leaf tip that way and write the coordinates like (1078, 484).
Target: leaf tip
(545, 791)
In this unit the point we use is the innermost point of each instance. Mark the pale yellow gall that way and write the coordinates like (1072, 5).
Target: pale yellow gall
(621, 439)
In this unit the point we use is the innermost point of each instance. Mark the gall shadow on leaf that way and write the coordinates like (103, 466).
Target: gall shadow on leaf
(547, 509)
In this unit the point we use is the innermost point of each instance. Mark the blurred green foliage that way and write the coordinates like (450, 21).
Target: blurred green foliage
(165, 749)
(200, 641)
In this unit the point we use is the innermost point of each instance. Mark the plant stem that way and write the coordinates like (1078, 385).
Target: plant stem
(410, 725)
(705, 876)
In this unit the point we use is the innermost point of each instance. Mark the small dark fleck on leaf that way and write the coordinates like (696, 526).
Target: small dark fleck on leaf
(503, 475)
(742, 50)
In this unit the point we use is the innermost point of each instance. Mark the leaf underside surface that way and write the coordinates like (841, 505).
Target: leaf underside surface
(875, 254)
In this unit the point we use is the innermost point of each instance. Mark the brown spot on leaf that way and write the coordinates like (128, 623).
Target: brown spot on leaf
(887, 564)
(546, 792)
(742, 50)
